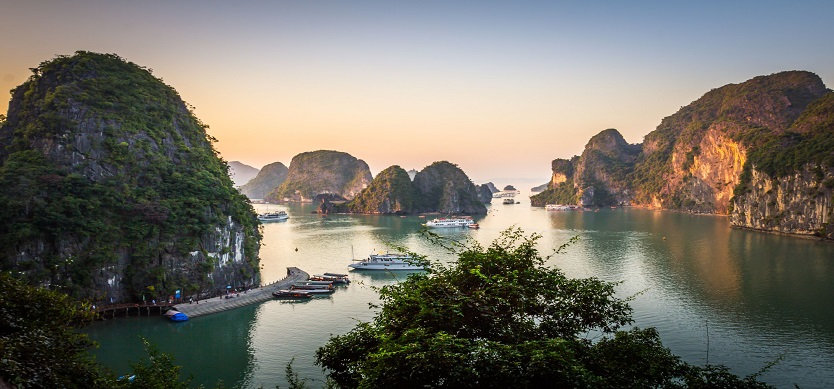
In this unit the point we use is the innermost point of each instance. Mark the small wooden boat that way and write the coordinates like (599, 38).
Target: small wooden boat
(291, 294)
(175, 315)
(474, 226)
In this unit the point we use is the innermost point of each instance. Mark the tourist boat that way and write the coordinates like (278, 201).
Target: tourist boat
(175, 315)
(561, 207)
(335, 278)
(291, 294)
(451, 222)
(509, 200)
(312, 285)
(312, 289)
(273, 216)
(388, 261)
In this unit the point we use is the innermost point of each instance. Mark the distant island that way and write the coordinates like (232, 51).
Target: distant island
(322, 172)
(241, 173)
(440, 187)
(761, 152)
(268, 178)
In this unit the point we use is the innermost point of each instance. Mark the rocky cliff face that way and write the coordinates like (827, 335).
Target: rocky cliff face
(241, 173)
(268, 179)
(799, 204)
(112, 189)
(444, 187)
(391, 192)
(743, 149)
(600, 173)
(319, 172)
(484, 193)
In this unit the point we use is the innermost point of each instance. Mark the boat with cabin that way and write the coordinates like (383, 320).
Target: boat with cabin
(335, 278)
(450, 222)
(388, 261)
(273, 216)
(561, 207)
(291, 294)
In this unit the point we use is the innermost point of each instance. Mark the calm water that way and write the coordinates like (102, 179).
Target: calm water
(752, 297)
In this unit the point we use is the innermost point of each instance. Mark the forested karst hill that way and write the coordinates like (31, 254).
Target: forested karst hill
(269, 177)
(111, 187)
(322, 172)
(757, 151)
(390, 192)
(444, 187)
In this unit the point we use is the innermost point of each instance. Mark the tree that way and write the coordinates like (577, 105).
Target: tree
(158, 372)
(39, 338)
(500, 317)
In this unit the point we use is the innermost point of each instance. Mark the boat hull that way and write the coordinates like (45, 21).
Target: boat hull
(375, 266)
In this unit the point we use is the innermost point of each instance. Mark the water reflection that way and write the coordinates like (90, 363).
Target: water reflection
(760, 295)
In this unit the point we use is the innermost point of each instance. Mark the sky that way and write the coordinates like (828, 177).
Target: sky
(500, 88)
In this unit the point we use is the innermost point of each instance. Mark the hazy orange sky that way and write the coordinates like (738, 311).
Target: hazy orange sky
(500, 88)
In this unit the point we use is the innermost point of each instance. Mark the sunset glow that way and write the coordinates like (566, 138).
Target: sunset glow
(499, 88)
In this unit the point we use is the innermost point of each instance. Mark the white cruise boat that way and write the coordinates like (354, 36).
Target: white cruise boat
(451, 222)
(273, 216)
(560, 207)
(387, 261)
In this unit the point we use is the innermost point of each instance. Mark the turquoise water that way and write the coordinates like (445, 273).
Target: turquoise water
(752, 297)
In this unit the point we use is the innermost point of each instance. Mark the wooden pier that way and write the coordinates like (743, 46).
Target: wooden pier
(207, 306)
(252, 296)
(113, 310)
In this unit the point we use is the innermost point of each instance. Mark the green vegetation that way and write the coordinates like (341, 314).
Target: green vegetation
(322, 171)
(499, 317)
(564, 193)
(789, 152)
(43, 348)
(39, 340)
(269, 178)
(391, 191)
(444, 187)
(108, 165)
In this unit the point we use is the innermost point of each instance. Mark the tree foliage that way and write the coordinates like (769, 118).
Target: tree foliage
(499, 317)
(39, 339)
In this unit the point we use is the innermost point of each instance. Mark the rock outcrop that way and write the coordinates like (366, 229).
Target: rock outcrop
(268, 179)
(241, 173)
(319, 172)
(391, 192)
(600, 174)
(444, 187)
(761, 151)
(111, 189)
(485, 193)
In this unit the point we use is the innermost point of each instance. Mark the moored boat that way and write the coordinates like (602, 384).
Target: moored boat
(291, 294)
(388, 261)
(561, 207)
(273, 216)
(312, 285)
(312, 291)
(331, 277)
(450, 222)
(175, 315)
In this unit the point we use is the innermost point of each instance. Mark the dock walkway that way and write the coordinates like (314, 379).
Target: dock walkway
(252, 296)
